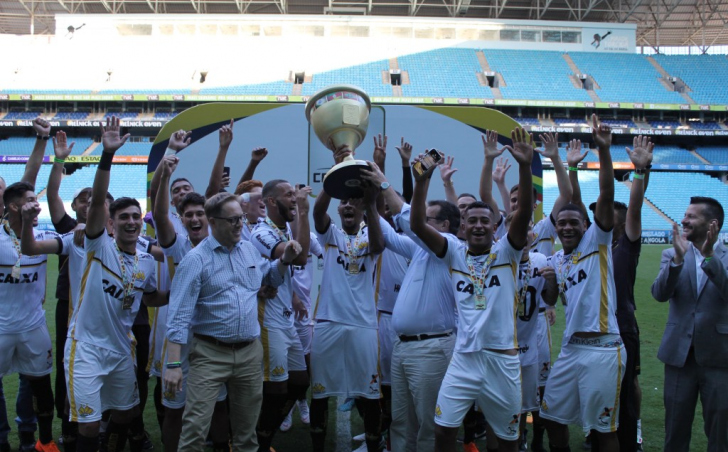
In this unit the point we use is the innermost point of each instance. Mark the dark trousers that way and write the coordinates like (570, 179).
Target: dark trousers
(628, 409)
(61, 333)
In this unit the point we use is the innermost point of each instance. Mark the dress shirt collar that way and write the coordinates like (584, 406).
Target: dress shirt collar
(214, 244)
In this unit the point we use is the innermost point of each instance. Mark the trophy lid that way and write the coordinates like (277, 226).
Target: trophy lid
(334, 89)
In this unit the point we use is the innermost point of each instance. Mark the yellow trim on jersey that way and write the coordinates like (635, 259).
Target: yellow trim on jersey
(153, 334)
(619, 389)
(71, 394)
(84, 280)
(514, 268)
(171, 267)
(604, 292)
(264, 340)
(315, 308)
(25, 266)
(507, 264)
(378, 279)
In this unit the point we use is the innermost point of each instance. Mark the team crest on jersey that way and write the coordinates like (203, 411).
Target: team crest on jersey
(49, 359)
(438, 411)
(139, 275)
(85, 411)
(606, 416)
(575, 258)
(157, 365)
(545, 368)
(318, 388)
(544, 406)
(513, 425)
(374, 384)
(278, 371)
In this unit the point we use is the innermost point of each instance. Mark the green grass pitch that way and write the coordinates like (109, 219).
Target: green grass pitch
(651, 316)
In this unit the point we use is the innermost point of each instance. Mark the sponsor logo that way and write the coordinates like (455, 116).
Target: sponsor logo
(513, 425)
(606, 416)
(85, 411)
(25, 278)
(438, 410)
(168, 395)
(464, 287)
(157, 365)
(318, 388)
(278, 371)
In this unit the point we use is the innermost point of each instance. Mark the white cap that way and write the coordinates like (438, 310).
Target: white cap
(79, 191)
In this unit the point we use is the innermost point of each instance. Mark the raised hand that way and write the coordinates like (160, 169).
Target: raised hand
(490, 144)
(680, 244)
(258, 154)
(712, 236)
(550, 146)
(225, 182)
(405, 151)
(551, 316)
(574, 156)
(60, 145)
(341, 153)
(426, 174)
(601, 133)
(41, 127)
(226, 134)
(641, 154)
(179, 140)
(502, 165)
(446, 169)
(291, 251)
(30, 211)
(522, 148)
(169, 164)
(302, 202)
(110, 138)
(373, 174)
(79, 233)
(380, 149)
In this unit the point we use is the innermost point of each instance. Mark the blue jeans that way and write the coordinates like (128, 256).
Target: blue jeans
(23, 407)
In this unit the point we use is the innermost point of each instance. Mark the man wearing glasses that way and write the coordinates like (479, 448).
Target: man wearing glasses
(217, 284)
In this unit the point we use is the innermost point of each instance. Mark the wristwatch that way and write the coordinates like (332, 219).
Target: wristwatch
(385, 185)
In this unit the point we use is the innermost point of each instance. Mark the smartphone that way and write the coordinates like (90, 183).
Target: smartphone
(431, 158)
(226, 171)
(300, 186)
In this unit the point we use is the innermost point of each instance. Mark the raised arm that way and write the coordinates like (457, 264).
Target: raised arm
(302, 233)
(446, 172)
(604, 212)
(376, 177)
(376, 237)
(61, 150)
(405, 153)
(551, 152)
(256, 157)
(28, 244)
(380, 158)
(160, 213)
(522, 152)
(321, 219)
(671, 265)
(491, 152)
(430, 236)
(218, 168)
(42, 129)
(499, 177)
(111, 141)
(641, 158)
(177, 141)
(574, 156)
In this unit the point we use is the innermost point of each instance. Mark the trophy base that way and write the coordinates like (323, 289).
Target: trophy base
(343, 180)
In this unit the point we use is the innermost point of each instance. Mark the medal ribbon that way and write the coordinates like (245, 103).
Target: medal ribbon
(478, 280)
(283, 234)
(128, 284)
(352, 250)
(563, 271)
(16, 244)
(524, 289)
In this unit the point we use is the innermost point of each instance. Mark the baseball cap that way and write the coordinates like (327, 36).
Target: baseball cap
(81, 190)
(617, 205)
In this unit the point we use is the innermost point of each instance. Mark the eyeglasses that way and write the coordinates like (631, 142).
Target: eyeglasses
(234, 221)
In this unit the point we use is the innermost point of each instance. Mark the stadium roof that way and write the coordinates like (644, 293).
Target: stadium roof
(701, 23)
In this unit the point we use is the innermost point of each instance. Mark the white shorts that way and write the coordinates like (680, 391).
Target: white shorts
(157, 339)
(176, 400)
(529, 388)
(305, 334)
(29, 353)
(97, 380)
(493, 381)
(543, 342)
(344, 361)
(282, 352)
(387, 336)
(584, 387)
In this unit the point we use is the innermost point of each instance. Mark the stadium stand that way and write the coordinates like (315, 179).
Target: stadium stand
(128, 180)
(625, 78)
(666, 124)
(528, 121)
(532, 74)
(715, 155)
(15, 114)
(442, 73)
(14, 172)
(706, 82)
(78, 115)
(272, 88)
(661, 154)
(618, 122)
(569, 121)
(23, 145)
(704, 125)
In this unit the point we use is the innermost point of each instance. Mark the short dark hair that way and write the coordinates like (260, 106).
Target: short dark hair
(16, 191)
(123, 203)
(177, 181)
(571, 207)
(713, 209)
(191, 199)
(269, 189)
(479, 205)
(448, 211)
(463, 195)
(515, 188)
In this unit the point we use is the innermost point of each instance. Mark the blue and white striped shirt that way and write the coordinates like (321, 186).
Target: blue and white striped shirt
(214, 291)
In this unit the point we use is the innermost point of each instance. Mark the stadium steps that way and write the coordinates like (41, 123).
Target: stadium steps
(575, 80)
(647, 202)
(404, 78)
(91, 148)
(723, 126)
(700, 157)
(666, 76)
(486, 68)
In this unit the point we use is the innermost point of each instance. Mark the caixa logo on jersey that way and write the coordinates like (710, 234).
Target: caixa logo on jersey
(25, 278)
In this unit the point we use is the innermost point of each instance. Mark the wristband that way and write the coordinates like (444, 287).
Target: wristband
(106, 159)
(174, 365)
(573, 168)
(448, 184)
(707, 259)
(43, 137)
(170, 151)
(57, 160)
(639, 175)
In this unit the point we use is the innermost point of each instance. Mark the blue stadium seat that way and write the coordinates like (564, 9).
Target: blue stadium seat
(442, 73)
(24, 145)
(704, 74)
(714, 154)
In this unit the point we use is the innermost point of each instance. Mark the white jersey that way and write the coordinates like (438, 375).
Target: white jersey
(586, 279)
(391, 268)
(176, 220)
(21, 299)
(488, 323)
(158, 318)
(544, 236)
(529, 300)
(347, 291)
(276, 312)
(103, 317)
(247, 229)
(501, 230)
(303, 275)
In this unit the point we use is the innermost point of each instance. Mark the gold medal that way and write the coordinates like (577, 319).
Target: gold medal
(128, 302)
(353, 268)
(16, 272)
(480, 302)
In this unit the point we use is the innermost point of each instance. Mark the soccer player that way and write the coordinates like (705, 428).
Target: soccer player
(116, 279)
(175, 247)
(344, 349)
(584, 384)
(180, 186)
(285, 379)
(484, 283)
(25, 342)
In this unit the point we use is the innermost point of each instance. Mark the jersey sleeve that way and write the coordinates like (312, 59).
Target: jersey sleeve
(400, 244)
(150, 285)
(328, 237)
(315, 247)
(544, 230)
(66, 224)
(66, 244)
(265, 241)
(454, 247)
(143, 245)
(504, 245)
(97, 245)
(402, 220)
(597, 236)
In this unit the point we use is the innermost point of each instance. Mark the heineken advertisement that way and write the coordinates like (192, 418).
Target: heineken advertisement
(375, 100)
